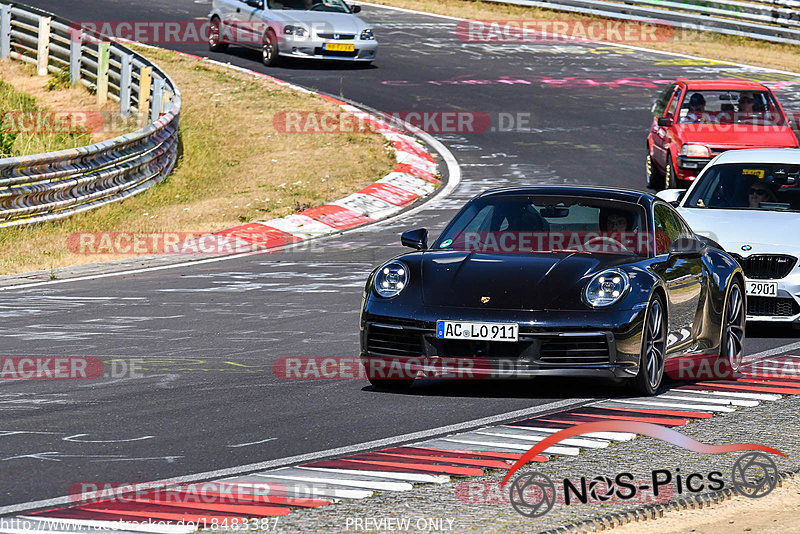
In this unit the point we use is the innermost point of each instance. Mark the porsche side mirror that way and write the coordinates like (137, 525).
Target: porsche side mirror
(416, 239)
(355, 9)
(672, 196)
(687, 248)
(666, 122)
(254, 3)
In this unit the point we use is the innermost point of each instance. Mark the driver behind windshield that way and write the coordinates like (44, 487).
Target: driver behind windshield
(614, 220)
(760, 192)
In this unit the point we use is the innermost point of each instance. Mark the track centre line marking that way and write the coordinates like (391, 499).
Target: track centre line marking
(339, 451)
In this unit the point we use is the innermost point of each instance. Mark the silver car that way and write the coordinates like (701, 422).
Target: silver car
(311, 29)
(749, 202)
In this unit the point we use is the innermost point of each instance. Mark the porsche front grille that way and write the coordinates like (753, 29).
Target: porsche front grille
(393, 340)
(772, 307)
(578, 349)
(767, 266)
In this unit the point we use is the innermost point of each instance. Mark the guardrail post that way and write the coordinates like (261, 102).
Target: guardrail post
(158, 100)
(125, 87)
(75, 54)
(145, 81)
(5, 31)
(102, 73)
(43, 52)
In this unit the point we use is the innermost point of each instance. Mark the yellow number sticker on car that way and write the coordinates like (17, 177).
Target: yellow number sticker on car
(336, 47)
(753, 172)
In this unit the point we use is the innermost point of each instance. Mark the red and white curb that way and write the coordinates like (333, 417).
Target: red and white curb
(415, 176)
(398, 468)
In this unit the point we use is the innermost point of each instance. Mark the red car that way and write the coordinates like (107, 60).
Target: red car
(694, 121)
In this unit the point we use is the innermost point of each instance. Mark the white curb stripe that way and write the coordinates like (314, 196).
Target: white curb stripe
(575, 442)
(671, 405)
(612, 436)
(346, 482)
(477, 440)
(412, 477)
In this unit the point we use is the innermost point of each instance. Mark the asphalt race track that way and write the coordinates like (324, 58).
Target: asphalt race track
(207, 335)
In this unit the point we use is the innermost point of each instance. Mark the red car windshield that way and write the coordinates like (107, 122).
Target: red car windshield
(723, 106)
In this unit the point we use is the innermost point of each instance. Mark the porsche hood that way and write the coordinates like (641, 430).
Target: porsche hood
(509, 281)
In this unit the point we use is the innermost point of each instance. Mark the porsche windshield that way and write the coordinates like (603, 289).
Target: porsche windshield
(335, 6)
(773, 187)
(522, 223)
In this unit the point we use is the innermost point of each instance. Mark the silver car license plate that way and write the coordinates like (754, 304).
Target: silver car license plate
(762, 289)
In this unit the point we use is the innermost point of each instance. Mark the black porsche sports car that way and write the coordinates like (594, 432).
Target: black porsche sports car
(553, 280)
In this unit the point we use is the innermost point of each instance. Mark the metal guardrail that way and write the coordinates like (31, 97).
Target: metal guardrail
(54, 185)
(777, 21)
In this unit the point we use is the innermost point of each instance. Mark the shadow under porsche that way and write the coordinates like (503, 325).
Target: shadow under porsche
(552, 280)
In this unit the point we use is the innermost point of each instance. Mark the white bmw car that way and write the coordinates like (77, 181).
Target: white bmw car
(306, 29)
(748, 201)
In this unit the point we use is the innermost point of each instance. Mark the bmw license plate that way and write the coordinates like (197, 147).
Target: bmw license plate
(339, 47)
(762, 289)
(477, 331)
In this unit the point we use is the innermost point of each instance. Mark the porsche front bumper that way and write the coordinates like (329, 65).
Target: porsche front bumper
(601, 345)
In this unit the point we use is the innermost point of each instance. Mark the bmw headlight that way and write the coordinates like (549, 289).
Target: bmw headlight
(297, 31)
(695, 151)
(606, 288)
(391, 279)
(367, 35)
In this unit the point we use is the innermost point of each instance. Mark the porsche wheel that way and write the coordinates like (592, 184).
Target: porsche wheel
(731, 344)
(653, 352)
(654, 179)
(215, 42)
(391, 384)
(269, 50)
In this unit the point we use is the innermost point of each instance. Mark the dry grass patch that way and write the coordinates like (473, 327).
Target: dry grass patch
(27, 106)
(714, 46)
(234, 168)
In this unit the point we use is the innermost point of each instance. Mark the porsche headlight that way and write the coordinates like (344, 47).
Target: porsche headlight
(606, 288)
(297, 31)
(391, 279)
(367, 35)
(695, 151)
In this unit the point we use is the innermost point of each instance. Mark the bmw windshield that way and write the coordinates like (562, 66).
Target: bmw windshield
(333, 6)
(774, 187)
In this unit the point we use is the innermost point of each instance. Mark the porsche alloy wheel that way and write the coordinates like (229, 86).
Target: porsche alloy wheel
(654, 345)
(269, 50)
(215, 43)
(731, 345)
